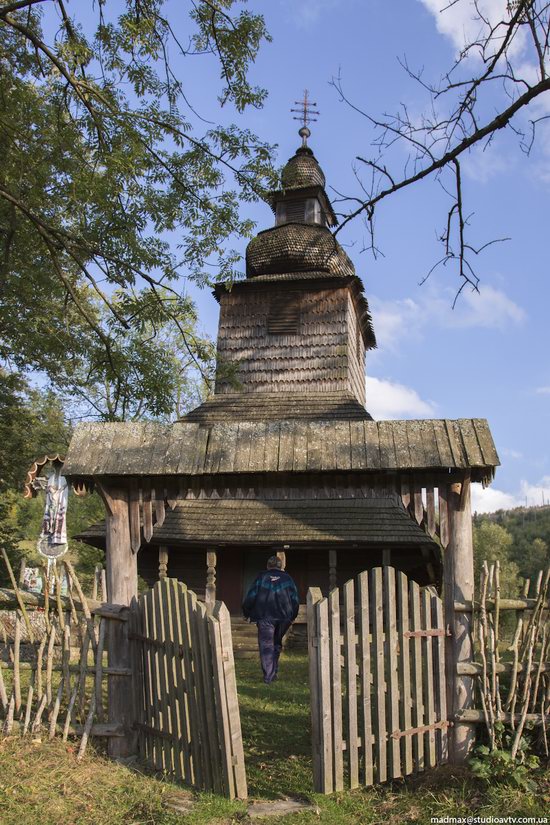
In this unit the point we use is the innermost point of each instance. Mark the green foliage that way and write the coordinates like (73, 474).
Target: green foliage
(529, 528)
(33, 424)
(499, 766)
(493, 543)
(111, 188)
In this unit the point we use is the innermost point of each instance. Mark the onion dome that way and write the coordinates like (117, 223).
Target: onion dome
(297, 247)
(302, 170)
(302, 198)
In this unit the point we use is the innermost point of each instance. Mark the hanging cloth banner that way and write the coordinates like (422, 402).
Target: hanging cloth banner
(53, 538)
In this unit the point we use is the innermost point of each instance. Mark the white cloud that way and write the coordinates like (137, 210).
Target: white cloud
(399, 321)
(483, 164)
(489, 307)
(543, 390)
(511, 453)
(490, 499)
(461, 23)
(388, 399)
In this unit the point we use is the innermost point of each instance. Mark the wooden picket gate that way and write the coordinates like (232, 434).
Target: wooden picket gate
(377, 680)
(187, 708)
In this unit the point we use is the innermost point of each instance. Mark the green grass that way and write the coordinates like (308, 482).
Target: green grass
(276, 727)
(43, 782)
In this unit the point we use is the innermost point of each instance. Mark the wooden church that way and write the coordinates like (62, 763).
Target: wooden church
(284, 457)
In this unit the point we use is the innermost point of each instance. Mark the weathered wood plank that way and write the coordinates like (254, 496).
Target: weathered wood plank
(365, 676)
(286, 446)
(134, 515)
(336, 687)
(352, 734)
(221, 705)
(401, 443)
(405, 700)
(228, 662)
(272, 438)
(164, 721)
(387, 448)
(485, 441)
(313, 597)
(392, 646)
(372, 445)
(417, 692)
(443, 447)
(179, 699)
(315, 433)
(443, 493)
(441, 684)
(342, 442)
(211, 733)
(379, 685)
(474, 456)
(358, 450)
(299, 463)
(192, 689)
(428, 678)
(325, 715)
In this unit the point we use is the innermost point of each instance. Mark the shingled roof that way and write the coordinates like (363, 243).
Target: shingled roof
(190, 449)
(266, 406)
(296, 247)
(370, 521)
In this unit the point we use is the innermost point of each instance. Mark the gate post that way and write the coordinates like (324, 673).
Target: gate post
(122, 581)
(458, 585)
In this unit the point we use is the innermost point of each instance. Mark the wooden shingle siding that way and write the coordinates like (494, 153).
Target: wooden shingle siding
(189, 449)
(258, 338)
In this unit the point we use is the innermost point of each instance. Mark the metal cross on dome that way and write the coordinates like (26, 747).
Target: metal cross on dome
(305, 111)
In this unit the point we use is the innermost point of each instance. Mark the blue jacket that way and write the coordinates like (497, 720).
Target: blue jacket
(273, 596)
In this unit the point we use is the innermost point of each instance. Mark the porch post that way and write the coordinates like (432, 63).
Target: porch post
(210, 592)
(122, 588)
(163, 562)
(458, 585)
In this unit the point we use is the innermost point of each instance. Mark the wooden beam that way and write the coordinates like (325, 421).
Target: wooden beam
(122, 588)
(458, 585)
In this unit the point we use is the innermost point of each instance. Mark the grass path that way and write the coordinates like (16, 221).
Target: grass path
(276, 727)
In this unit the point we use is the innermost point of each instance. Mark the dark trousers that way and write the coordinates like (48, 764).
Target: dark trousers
(270, 642)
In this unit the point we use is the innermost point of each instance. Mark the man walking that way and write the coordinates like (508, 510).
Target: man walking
(272, 602)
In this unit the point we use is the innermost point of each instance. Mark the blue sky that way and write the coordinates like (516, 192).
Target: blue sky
(488, 357)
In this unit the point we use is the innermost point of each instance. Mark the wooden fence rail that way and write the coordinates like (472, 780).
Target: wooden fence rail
(377, 680)
(187, 708)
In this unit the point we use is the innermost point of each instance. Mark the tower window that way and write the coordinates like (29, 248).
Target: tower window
(284, 315)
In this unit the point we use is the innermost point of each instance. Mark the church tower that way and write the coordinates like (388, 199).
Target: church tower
(293, 334)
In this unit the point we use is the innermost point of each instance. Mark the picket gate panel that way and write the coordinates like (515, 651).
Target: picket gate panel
(188, 722)
(377, 680)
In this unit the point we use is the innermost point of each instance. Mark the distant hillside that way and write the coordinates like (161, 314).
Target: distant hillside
(530, 531)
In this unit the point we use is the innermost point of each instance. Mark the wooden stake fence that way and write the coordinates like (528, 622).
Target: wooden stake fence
(52, 675)
(517, 691)
(377, 679)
